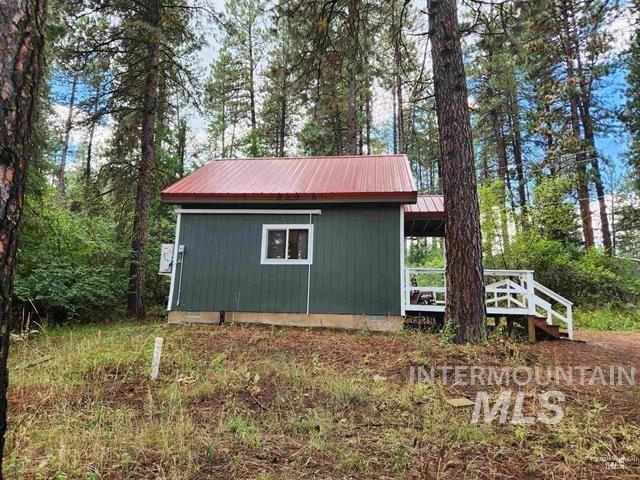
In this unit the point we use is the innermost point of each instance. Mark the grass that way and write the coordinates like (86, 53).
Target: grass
(255, 402)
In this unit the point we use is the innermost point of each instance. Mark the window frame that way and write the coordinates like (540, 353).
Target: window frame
(286, 261)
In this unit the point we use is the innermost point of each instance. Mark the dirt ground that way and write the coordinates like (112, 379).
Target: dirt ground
(625, 344)
(272, 403)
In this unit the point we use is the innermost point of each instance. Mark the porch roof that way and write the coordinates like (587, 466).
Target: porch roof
(425, 218)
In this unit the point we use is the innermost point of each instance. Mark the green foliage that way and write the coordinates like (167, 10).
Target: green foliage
(421, 254)
(70, 264)
(586, 278)
(553, 213)
(493, 218)
(609, 317)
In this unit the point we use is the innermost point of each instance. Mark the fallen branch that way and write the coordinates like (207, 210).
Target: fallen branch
(33, 364)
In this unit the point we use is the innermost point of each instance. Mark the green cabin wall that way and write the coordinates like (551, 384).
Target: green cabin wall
(355, 270)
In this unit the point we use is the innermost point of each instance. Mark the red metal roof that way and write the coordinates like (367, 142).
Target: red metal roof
(427, 206)
(374, 177)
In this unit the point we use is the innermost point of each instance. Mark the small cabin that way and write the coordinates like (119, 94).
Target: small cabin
(311, 241)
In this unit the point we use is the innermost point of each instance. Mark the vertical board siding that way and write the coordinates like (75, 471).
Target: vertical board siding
(355, 266)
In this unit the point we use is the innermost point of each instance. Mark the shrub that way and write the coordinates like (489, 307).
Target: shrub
(70, 264)
(609, 317)
(586, 278)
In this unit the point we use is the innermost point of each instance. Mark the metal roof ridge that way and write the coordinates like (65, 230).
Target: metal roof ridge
(305, 157)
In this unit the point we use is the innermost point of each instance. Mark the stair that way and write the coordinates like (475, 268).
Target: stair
(539, 329)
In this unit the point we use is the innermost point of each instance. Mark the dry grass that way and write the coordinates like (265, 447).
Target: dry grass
(269, 403)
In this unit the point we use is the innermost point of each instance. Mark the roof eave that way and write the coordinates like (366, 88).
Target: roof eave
(399, 197)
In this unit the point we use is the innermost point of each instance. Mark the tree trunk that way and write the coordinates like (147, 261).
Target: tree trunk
(587, 125)
(396, 34)
(337, 130)
(352, 120)
(21, 50)
(182, 145)
(465, 307)
(584, 106)
(352, 107)
(136, 306)
(67, 132)
(580, 158)
(516, 145)
(283, 103)
(252, 96)
(503, 174)
(87, 164)
(368, 121)
(92, 129)
(394, 125)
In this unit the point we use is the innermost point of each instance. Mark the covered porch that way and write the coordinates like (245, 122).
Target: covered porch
(512, 293)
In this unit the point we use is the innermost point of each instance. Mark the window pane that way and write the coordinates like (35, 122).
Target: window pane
(298, 244)
(276, 243)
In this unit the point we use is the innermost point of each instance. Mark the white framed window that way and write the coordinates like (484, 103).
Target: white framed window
(287, 244)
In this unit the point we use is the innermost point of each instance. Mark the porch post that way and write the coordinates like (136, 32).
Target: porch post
(402, 276)
(531, 306)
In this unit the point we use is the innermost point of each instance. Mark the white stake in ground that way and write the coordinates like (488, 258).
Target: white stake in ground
(155, 360)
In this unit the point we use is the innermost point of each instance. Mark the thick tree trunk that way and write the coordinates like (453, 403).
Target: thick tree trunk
(136, 307)
(65, 143)
(21, 47)
(465, 307)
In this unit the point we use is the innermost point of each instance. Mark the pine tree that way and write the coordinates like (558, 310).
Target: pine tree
(632, 110)
(21, 70)
(465, 308)
(226, 105)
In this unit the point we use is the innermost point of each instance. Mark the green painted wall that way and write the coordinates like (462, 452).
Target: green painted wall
(355, 270)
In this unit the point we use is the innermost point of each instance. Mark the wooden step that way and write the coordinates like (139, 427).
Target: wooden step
(538, 329)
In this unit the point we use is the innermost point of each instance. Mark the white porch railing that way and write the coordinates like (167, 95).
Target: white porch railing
(508, 292)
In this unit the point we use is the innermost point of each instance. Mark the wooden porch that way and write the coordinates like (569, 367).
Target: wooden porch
(508, 293)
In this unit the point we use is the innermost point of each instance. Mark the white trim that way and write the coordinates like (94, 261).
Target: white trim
(309, 271)
(403, 310)
(286, 261)
(173, 264)
(244, 211)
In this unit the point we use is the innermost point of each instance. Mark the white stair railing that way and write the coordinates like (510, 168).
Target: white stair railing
(507, 292)
(550, 309)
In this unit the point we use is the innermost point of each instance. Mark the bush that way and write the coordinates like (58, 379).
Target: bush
(64, 290)
(586, 278)
(609, 317)
(70, 264)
